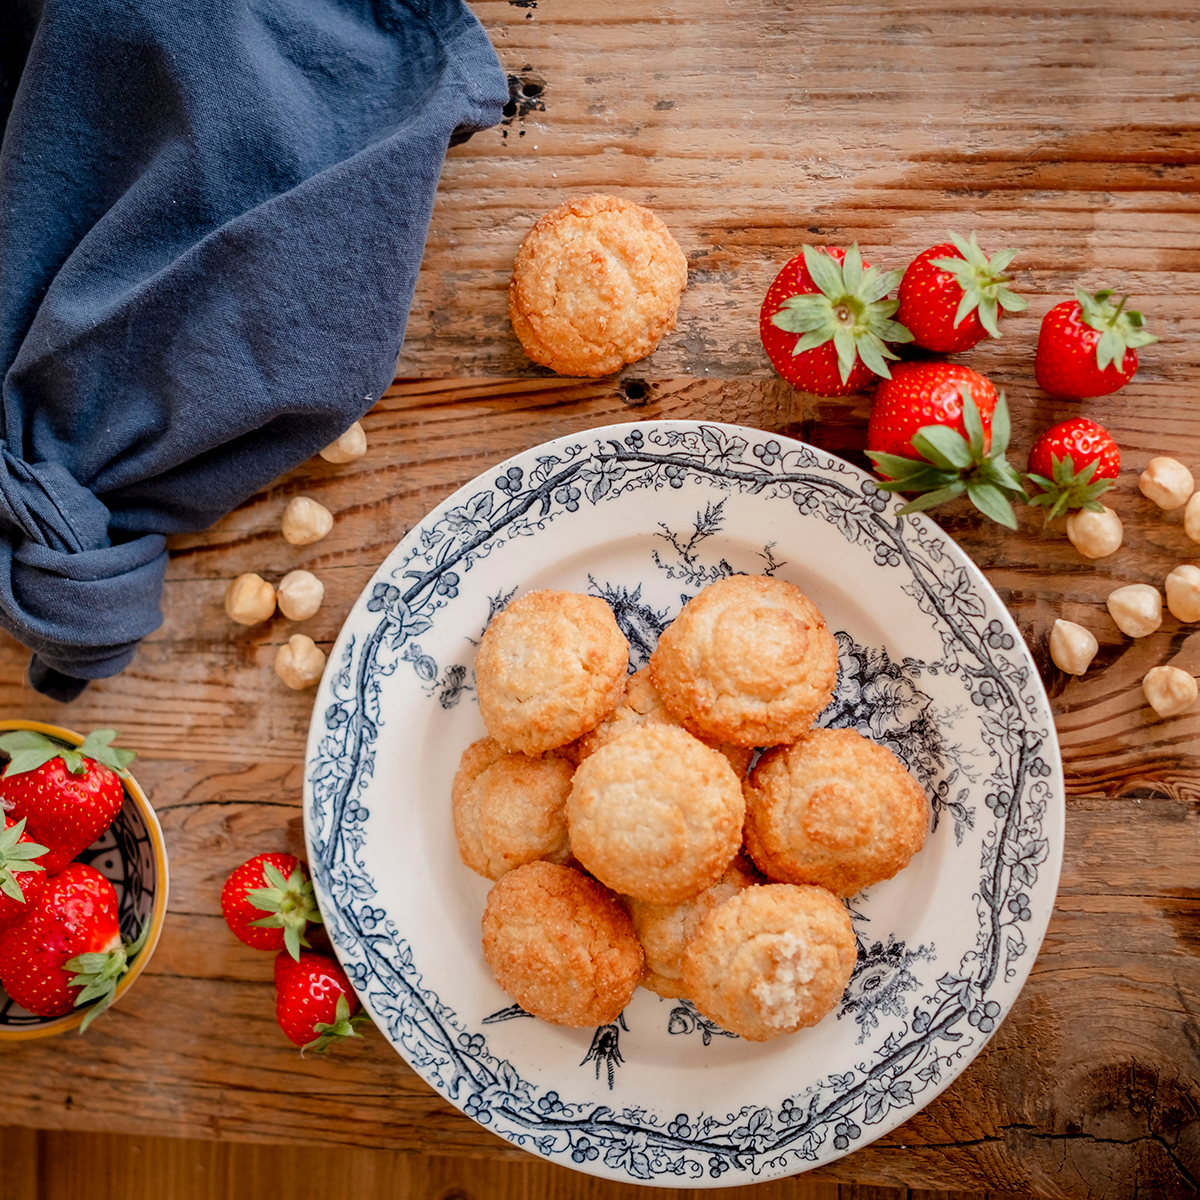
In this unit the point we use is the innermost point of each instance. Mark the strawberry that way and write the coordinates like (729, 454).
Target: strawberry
(1088, 346)
(836, 303)
(67, 951)
(1072, 465)
(268, 902)
(938, 429)
(22, 876)
(314, 1003)
(951, 295)
(67, 796)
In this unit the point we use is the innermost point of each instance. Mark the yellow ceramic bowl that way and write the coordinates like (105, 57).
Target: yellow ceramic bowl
(131, 854)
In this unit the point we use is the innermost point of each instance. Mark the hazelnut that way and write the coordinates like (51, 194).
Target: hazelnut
(351, 445)
(1072, 647)
(1191, 517)
(1167, 482)
(1183, 592)
(1095, 534)
(249, 600)
(300, 662)
(306, 521)
(1169, 691)
(299, 595)
(1137, 609)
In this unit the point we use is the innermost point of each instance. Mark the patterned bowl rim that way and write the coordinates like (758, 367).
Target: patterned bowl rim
(158, 913)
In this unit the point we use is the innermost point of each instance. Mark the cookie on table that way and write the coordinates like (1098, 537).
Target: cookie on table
(596, 284)
(834, 809)
(655, 815)
(642, 705)
(749, 660)
(664, 929)
(509, 809)
(770, 960)
(561, 945)
(550, 667)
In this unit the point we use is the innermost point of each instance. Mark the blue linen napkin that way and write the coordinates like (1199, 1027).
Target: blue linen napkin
(211, 219)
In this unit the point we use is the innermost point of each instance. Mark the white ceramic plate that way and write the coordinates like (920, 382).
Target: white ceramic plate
(932, 666)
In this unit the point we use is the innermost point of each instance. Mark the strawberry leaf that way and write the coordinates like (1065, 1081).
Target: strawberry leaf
(932, 499)
(992, 502)
(944, 447)
(342, 1026)
(1120, 330)
(98, 745)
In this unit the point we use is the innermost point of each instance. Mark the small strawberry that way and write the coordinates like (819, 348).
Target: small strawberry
(1072, 465)
(268, 903)
(67, 951)
(1088, 346)
(938, 429)
(67, 796)
(951, 295)
(314, 1003)
(836, 303)
(22, 876)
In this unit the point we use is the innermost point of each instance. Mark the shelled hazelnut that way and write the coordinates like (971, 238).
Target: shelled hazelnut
(1183, 592)
(1169, 691)
(351, 445)
(1167, 482)
(1191, 517)
(305, 521)
(299, 595)
(1072, 647)
(1095, 534)
(300, 662)
(249, 600)
(1136, 608)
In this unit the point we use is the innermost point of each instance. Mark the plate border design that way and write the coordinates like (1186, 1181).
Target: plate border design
(1018, 867)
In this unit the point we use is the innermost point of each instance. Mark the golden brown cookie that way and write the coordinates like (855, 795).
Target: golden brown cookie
(595, 285)
(509, 809)
(835, 809)
(770, 960)
(560, 945)
(550, 667)
(642, 705)
(664, 929)
(749, 660)
(655, 815)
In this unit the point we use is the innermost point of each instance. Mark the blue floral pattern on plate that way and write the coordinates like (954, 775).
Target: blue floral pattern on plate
(931, 665)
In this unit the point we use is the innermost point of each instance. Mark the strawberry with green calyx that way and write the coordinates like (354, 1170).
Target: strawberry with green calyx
(825, 322)
(68, 796)
(940, 430)
(22, 875)
(952, 294)
(67, 951)
(268, 903)
(314, 1002)
(1088, 346)
(1072, 465)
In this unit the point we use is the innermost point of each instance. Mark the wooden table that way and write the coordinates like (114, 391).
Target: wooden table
(1070, 131)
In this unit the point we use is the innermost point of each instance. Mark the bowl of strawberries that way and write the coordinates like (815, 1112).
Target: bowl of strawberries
(83, 878)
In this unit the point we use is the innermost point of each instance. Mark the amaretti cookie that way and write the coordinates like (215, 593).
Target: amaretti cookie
(550, 667)
(596, 284)
(655, 814)
(770, 960)
(560, 945)
(749, 660)
(509, 809)
(834, 809)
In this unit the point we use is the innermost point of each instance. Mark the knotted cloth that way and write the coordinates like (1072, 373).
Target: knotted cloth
(211, 219)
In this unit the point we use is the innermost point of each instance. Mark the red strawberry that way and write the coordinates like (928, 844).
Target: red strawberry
(938, 429)
(836, 303)
(67, 796)
(1088, 346)
(951, 295)
(314, 1003)
(22, 876)
(268, 903)
(1072, 465)
(67, 950)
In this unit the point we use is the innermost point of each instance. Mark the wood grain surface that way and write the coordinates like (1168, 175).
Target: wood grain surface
(1071, 132)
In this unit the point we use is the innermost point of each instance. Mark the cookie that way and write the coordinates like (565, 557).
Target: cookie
(770, 960)
(550, 667)
(560, 945)
(596, 284)
(655, 815)
(835, 809)
(749, 660)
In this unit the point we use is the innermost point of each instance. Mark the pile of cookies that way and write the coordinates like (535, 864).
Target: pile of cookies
(628, 843)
